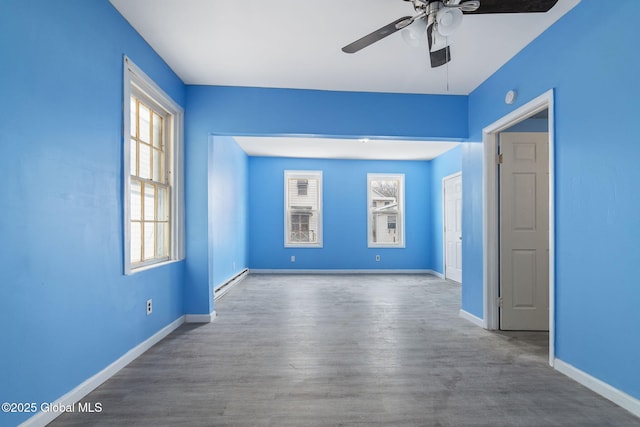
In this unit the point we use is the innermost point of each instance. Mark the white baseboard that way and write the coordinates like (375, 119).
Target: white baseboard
(225, 287)
(471, 318)
(338, 271)
(217, 294)
(618, 397)
(200, 318)
(75, 395)
(437, 274)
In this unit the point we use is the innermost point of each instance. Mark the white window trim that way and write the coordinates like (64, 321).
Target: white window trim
(400, 219)
(135, 77)
(302, 174)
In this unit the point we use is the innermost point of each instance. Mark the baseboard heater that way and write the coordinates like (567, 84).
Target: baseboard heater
(226, 286)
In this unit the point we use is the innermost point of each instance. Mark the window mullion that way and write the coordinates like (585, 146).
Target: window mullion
(155, 220)
(137, 166)
(151, 142)
(143, 220)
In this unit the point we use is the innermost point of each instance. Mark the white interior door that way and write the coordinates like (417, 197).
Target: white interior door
(524, 231)
(452, 202)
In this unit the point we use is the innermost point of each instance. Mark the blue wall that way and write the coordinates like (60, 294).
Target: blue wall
(344, 216)
(594, 72)
(258, 111)
(66, 308)
(264, 111)
(472, 269)
(228, 209)
(442, 166)
(68, 311)
(530, 125)
(216, 203)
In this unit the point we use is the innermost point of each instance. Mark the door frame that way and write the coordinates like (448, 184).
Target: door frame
(490, 209)
(444, 220)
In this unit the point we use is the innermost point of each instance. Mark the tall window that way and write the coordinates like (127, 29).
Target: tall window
(303, 208)
(152, 163)
(385, 199)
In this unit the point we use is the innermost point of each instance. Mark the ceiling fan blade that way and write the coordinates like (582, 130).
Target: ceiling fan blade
(440, 57)
(513, 6)
(378, 35)
(442, 54)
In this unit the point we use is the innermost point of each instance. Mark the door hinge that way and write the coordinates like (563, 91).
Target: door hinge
(500, 302)
(499, 159)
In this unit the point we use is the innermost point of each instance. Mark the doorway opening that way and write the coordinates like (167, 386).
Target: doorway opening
(541, 110)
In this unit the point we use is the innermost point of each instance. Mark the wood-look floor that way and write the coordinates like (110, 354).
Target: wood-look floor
(345, 350)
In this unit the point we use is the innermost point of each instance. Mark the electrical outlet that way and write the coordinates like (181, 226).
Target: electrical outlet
(377, 257)
(149, 307)
(293, 258)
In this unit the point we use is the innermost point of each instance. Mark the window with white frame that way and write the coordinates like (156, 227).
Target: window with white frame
(153, 197)
(303, 208)
(385, 210)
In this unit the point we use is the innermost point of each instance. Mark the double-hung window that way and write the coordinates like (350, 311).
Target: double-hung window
(303, 208)
(153, 207)
(385, 205)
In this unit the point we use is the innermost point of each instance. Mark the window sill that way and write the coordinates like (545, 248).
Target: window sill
(151, 266)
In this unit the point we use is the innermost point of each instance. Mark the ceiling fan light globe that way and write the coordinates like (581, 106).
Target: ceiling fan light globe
(448, 20)
(415, 34)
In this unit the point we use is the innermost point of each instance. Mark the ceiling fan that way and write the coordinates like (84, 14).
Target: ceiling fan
(442, 18)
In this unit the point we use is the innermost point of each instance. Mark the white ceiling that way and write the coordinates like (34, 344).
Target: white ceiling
(297, 44)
